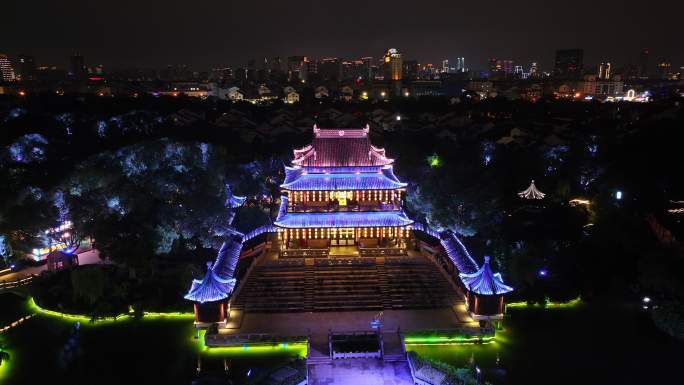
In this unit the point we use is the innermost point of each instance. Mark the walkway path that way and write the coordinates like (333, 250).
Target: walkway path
(86, 258)
(360, 371)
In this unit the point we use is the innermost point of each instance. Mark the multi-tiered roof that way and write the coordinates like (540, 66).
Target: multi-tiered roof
(340, 160)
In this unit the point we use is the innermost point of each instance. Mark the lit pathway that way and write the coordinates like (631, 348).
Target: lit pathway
(86, 258)
(360, 372)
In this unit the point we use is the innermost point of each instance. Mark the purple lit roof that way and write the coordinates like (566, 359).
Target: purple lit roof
(340, 148)
(484, 281)
(383, 180)
(343, 219)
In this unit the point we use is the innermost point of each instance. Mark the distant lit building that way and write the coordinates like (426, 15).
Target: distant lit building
(664, 70)
(276, 65)
(482, 87)
(534, 70)
(235, 94)
(291, 96)
(393, 64)
(368, 66)
(330, 68)
(518, 71)
(495, 67)
(508, 66)
(460, 64)
(604, 71)
(595, 86)
(6, 70)
(25, 68)
(298, 68)
(569, 64)
(426, 88)
(410, 69)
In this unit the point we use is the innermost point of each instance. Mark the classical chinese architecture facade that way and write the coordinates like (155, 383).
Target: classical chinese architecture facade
(341, 191)
(340, 198)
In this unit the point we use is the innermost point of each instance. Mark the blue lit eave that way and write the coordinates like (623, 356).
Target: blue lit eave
(210, 289)
(299, 179)
(343, 219)
(338, 182)
(484, 281)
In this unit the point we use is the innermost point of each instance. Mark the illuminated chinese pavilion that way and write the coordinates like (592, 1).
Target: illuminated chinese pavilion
(340, 197)
(341, 191)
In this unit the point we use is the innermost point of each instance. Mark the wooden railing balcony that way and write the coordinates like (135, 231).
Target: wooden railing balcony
(305, 253)
(333, 207)
(379, 251)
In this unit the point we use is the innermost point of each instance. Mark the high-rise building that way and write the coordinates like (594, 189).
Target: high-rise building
(445, 65)
(460, 64)
(643, 63)
(534, 69)
(500, 68)
(495, 67)
(6, 70)
(368, 66)
(569, 63)
(276, 64)
(78, 69)
(507, 66)
(393, 64)
(298, 68)
(664, 69)
(330, 68)
(410, 69)
(604, 71)
(26, 68)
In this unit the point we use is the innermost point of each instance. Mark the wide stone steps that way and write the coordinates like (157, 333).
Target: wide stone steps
(329, 286)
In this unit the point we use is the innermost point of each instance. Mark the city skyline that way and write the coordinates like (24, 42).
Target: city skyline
(216, 34)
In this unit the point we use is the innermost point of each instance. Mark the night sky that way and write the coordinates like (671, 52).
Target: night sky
(213, 33)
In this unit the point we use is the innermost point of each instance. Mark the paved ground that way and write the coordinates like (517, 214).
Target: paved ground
(321, 322)
(360, 372)
(86, 258)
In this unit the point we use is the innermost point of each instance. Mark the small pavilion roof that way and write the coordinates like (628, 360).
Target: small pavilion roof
(343, 219)
(340, 147)
(531, 192)
(382, 180)
(233, 201)
(211, 288)
(484, 281)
